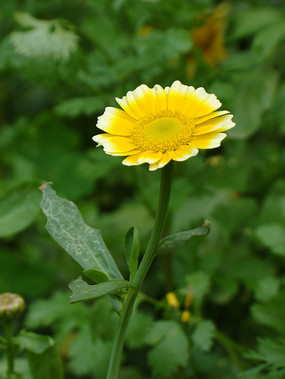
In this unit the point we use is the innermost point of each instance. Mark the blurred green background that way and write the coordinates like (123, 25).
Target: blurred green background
(61, 63)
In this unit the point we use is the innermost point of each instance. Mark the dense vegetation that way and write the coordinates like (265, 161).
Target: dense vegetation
(61, 63)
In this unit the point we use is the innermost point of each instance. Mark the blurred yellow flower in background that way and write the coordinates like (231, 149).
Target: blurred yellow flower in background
(157, 125)
(209, 38)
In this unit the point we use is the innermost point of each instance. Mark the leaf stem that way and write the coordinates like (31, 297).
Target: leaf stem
(164, 195)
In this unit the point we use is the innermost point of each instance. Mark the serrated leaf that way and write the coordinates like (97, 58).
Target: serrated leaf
(271, 351)
(45, 38)
(132, 250)
(81, 291)
(18, 209)
(83, 243)
(273, 237)
(178, 239)
(203, 335)
(80, 106)
(33, 342)
(170, 351)
(95, 275)
(88, 355)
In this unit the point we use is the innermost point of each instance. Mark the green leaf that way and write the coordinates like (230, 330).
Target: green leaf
(271, 351)
(44, 38)
(273, 237)
(46, 365)
(138, 327)
(203, 335)
(88, 355)
(80, 106)
(170, 350)
(132, 250)
(18, 209)
(252, 99)
(81, 291)
(267, 288)
(95, 275)
(250, 21)
(178, 239)
(83, 243)
(33, 342)
(267, 39)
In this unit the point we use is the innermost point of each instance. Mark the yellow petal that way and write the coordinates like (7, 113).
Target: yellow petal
(114, 144)
(219, 124)
(132, 160)
(160, 97)
(184, 152)
(177, 96)
(149, 157)
(199, 103)
(209, 116)
(166, 157)
(208, 141)
(116, 121)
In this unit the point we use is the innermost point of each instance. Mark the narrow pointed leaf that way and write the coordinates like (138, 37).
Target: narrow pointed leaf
(95, 275)
(83, 243)
(82, 291)
(132, 249)
(178, 239)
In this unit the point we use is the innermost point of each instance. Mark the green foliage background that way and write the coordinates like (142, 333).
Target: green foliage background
(61, 63)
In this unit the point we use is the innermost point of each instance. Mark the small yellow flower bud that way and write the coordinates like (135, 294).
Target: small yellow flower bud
(188, 300)
(172, 300)
(11, 305)
(186, 316)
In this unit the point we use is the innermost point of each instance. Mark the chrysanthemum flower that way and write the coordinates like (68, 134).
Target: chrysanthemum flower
(157, 125)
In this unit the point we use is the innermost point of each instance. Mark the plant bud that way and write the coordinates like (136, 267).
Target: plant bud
(11, 305)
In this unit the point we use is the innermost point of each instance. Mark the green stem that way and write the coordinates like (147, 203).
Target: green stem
(8, 329)
(164, 195)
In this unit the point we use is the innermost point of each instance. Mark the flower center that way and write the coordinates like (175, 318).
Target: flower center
(163, 132)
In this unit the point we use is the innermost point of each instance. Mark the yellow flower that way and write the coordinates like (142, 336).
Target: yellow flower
(157, 125)
(186, 316)
(172, 300)
(210, 37)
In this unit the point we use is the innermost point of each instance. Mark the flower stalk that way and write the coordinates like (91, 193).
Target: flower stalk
(164, 195)
(10, 348)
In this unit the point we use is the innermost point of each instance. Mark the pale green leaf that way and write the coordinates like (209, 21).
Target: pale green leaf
(81, 291)
(267, 39)
(178, 239)
(273, 237)
(267, 288)
(203, 335)
(83, 243)
(199, 284)
(271, 351)
(138, 327)
(33, 342)
(18, 209)
(44, 38)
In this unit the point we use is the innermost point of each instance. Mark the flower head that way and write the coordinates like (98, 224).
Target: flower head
(11, 305)
(156, 125)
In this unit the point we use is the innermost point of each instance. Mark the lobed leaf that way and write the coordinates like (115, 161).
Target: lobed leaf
(83, 243)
